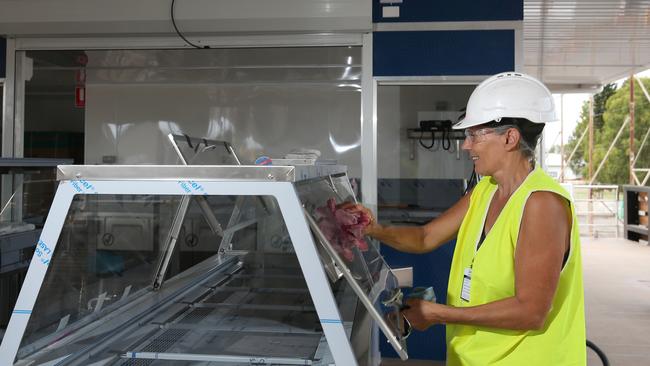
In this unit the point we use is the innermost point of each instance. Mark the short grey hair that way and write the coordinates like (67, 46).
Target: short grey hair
(524, 146)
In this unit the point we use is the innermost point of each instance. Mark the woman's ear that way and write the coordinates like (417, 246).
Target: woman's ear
(512, 139)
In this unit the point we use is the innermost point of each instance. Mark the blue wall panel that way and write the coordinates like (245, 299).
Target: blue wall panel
(3, 58)
(431, 269)
(427, 53)
(452, 11)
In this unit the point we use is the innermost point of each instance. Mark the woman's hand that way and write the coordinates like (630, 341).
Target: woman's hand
(423, 314)
(356, 207)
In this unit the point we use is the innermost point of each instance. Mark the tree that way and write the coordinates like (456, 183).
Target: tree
(611, 107)
(579, 160)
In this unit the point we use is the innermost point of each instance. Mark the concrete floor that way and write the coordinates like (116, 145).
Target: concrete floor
(617, 302)
(617, 299)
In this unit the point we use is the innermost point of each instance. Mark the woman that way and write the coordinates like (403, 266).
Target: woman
(515, 294)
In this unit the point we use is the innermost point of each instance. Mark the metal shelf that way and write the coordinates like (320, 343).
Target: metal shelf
(417, 134)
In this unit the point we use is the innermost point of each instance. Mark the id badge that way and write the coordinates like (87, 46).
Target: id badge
(467, 282)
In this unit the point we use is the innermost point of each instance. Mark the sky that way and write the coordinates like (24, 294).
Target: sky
(570, 105)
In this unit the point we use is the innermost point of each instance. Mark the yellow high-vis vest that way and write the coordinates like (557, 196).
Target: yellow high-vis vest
(561, 341)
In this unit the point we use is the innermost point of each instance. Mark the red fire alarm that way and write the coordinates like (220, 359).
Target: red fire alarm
(80, 96)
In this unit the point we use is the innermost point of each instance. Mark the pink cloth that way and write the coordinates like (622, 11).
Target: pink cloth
(343, 228)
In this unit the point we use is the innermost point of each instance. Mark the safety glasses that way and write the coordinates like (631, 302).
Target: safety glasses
(479, 134)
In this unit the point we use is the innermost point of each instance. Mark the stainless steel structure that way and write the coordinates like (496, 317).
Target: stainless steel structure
(271, 288)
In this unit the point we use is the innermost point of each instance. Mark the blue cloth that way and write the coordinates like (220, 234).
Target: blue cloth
(423, 293)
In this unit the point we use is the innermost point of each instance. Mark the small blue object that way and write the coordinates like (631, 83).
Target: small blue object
(424, 293)
(263, 160)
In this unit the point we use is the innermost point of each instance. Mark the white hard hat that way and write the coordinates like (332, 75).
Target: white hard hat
(509, 94)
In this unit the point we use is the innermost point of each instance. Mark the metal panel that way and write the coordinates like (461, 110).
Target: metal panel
(195, 18)
(285, 40)
(585, 43)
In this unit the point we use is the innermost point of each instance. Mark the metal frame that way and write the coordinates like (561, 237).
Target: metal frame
(8, 96)
(368, 127)
(196, 173)
(175, 138)
(173, 42)
(8, 100)
(646, 170)
(283, 191)
(399, 348)
(591, 210)
(181, 211)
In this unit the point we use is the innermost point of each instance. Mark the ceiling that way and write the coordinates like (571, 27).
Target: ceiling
(582, 44)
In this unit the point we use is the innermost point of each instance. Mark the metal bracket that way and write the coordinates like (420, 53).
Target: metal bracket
(170, 242)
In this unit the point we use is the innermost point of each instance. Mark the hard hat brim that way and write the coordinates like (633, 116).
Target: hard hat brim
(468, 122)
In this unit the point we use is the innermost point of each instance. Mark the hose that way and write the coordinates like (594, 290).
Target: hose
(599, 352)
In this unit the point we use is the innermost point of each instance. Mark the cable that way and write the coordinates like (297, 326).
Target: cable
(471, 182)
(599, 352)
(189, 142)
(446, 140)
(433, 140)
(179, 32)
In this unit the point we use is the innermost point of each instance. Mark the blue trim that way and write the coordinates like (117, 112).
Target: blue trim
(331, 321)
(451, 11)
(22, 311)
(430, 53)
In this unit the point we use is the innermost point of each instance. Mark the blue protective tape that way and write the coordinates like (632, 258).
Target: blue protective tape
(331, 321)
(22, 311)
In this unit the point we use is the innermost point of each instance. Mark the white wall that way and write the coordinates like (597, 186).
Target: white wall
(397, 110)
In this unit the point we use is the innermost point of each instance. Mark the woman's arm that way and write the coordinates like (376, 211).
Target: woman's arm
(420, 239)
(543, 240)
